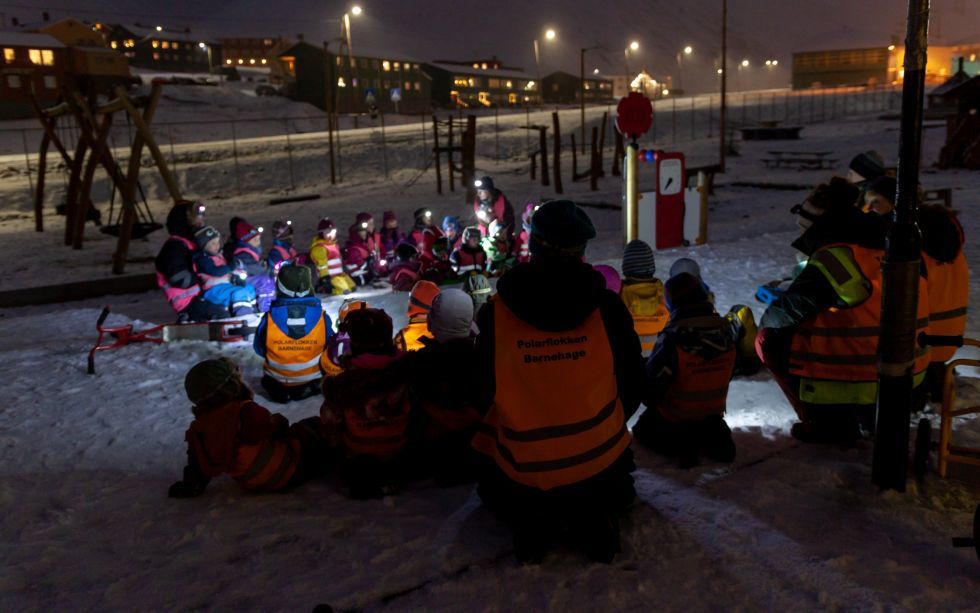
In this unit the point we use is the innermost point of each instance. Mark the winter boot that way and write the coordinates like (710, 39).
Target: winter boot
(716, 439)
(530, 542)
(599, 536)
(744, 331)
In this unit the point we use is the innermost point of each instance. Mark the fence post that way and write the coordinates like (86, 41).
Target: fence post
(557, 159)
(27, 159)
(710, 118)
(436, 153)
(602, 143)
(543, 142)
(173, 158)
(449, 155)
(595, 166)
(673, 120)
(527, 125)
(692, 117)
(340, 156)
(234, 153)
(496, 134)
(289, 156)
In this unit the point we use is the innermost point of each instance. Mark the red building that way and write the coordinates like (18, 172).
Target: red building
(31, 63)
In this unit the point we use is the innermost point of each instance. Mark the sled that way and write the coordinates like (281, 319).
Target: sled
(946, 450)
(223, 331)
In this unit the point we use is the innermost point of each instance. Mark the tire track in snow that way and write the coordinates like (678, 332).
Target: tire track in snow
(769, 564)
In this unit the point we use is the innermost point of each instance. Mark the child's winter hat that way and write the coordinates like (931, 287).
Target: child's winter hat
(370, 331)
(868, 164)
(349, 306)
(406, 251)
(363, 217)
(559, 227)
(440, 245)
(683, 290)
(833, 195)
(685, 265)
(451, 221)
(421, 297)
(420, 214)
(282, 229)
(638, 260)
(484, 183)
(884, 186)
(451, 316)
(478, 287)
(245, 231)
(325, 225)
(389, 216)
(213, 382)
(294, 282)
(205, 235)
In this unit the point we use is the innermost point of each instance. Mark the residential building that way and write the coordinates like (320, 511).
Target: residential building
(252, 51)
(162, 49)
(93, 67)
(564, 88)
(480, 83)
(31, 64)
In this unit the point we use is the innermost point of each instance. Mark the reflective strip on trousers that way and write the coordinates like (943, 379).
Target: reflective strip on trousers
(291, 378)
(944, 315)
(295, 367)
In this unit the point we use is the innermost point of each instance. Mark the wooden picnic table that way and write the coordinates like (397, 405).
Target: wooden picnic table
(801, 160)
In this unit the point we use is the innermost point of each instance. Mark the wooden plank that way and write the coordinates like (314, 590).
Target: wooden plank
(79, 290)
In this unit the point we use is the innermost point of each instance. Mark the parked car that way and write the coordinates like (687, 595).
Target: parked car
(267, 90)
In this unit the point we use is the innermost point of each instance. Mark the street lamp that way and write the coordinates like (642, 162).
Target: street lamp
(346, 36)
(633, 46)
(582, 89)
(355, 10)
(549, 35)
(207, 47)
(688, 50)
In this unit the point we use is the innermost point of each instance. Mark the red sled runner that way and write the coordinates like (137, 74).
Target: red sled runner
(223, 331)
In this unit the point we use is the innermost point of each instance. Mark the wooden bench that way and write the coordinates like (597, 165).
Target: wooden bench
(801, 160)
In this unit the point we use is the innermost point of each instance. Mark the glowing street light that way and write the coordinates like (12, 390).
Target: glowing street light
(596, 71)
(159, 28)
(550, 35)
(745, 63)
(633, 46)
(355, 10)
(688, 50)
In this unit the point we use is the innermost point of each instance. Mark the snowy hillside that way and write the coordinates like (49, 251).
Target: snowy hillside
(85, 461)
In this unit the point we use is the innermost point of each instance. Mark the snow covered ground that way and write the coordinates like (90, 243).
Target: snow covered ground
(85, 461)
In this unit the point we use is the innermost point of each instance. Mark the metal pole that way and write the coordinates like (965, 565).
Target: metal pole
(289, 156)
(673, 120)
(234, 153)
(724, 84)
(900, 272)
(496, 134)
(581, 101)
(631, 170)
(384, 145)
(692, 117)
(27, 160)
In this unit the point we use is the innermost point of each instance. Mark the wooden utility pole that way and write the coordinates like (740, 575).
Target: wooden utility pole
(723, 146)
(557, 159)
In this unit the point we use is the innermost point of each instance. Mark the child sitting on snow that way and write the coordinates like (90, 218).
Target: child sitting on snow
(419, 304)
(469, 258)
(325, 256)
(449, 415)
(292, 337)
(404, 270)
(499, 247)
(217, 276)
(338, 345)
(438, 269)
(687, 380)
(359, 255)
(365, 409)
(643, 293)
(232, 435)
(451, 229)
(282, 251)
(389, 236)
(246, 257)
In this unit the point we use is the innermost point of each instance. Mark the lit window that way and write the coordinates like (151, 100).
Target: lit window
(510, 84)
(8, 55)
(339, 60)
(13, 81)
(130, 43)
(408, 85)
(155, 44)
(34, 55)
(476, 65)
(165, 44)
(251, 61)
(398, 66)
(494, 84)
(415, 66)
(156, 56)
(50, 82)
(418, 86)
(240, 61)
(341, 82)
(973, 57)
(386, 65)
(113, 44)
(471, 82)
(483, 65)
(228, 61)
(267, 42)
(264, 61)
(47, 57)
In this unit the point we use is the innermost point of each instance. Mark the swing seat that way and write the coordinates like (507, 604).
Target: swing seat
(140, 228)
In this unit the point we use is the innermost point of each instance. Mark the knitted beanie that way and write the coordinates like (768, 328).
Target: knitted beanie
(370, 331)
(868, 164)
(451, 316)
(683, 290)
(205, 235)
(294, 282)
(638, 261)
(213, 382)
(559, 227)
(685, 265)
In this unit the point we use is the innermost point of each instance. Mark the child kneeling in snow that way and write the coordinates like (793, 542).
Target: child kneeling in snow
(643, 293)
(366, 408)
(687, 380)
(220, 285)
(232, 435)
(292, 338)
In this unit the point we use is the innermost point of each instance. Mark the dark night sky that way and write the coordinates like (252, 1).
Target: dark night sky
(465, 29)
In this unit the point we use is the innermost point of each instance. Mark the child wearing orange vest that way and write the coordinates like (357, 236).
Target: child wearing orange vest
(292, 337)
(365, 411)
(325, 255)
(687, 380)
(643, 293)
(413, 336)
(232, 435)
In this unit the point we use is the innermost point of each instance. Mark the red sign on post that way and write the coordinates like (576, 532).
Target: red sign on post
(634, 115)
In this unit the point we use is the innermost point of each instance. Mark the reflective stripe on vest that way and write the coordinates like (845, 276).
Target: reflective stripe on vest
(293, 361)
(949, 295)
(648, 328)
(267, 466)
(841, 344)
(700, 386)
(380, 436)
(178, 297)
(410, 338)
(556, 417)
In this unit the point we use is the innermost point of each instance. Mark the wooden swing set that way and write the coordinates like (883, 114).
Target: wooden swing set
(93, 124)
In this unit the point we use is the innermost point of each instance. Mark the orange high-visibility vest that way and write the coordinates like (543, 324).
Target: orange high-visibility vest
(949, 295)
(700, 386)
(841, 344)
(382, 437)
(294, 361)
(410, 337)
(265, 466)
(556, 418)
(442, 419)
(645, 301)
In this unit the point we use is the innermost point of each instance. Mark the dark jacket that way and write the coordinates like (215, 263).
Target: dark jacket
(176, 260)
(558, 294)
(811, 293)
(248, 258)
(445, 375)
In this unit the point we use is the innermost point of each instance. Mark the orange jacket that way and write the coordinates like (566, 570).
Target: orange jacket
(949, 295)
(556, 417)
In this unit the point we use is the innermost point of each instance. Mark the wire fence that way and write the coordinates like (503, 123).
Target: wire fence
(278, 155)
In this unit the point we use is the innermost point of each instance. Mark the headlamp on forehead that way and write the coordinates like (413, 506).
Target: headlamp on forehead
(478, 183)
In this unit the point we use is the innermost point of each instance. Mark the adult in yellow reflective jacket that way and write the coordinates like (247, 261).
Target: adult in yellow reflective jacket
(561, 373)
